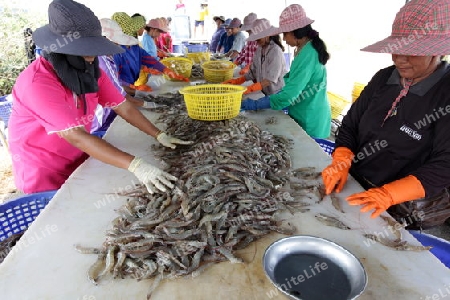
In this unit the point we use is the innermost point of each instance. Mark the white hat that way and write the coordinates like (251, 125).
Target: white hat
(261, 28)
(113, 32)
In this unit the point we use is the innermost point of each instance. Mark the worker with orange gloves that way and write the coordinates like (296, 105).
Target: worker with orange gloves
(245, 57)
(268, 66)
(388, 142)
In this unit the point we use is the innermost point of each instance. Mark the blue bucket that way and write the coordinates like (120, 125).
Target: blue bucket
(177, 48)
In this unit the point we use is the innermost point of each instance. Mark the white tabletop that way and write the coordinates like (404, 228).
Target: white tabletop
(46, 266)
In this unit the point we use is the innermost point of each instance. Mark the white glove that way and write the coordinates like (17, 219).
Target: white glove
(153, 178)
(149, 104)
(168, 141)
(140, 94)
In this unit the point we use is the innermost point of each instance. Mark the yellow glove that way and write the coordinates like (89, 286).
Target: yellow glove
(337, 171)
(174, 75)
(143, 78)
(253, 88)
(168, 141)
(396, 192)
(153, 178)
(239, 80)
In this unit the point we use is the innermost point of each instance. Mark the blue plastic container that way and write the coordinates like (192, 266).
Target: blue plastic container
(177, 48)
(18, 214)
(326, 145)
(192, 48)
(5, 108)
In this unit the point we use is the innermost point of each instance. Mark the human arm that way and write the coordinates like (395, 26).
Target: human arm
(298, 78)
(153, 178)
(261, 103)
(396, 192)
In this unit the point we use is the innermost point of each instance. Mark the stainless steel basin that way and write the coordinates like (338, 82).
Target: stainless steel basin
(312, 268)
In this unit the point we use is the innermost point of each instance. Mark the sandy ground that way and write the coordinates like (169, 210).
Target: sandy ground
(7, 188)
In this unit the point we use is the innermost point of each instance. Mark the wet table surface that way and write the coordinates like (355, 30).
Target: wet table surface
(45, 265)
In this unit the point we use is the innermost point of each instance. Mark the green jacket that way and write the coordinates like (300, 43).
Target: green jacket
(305, 93)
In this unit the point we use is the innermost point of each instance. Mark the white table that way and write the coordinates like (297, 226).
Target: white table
(47, 267)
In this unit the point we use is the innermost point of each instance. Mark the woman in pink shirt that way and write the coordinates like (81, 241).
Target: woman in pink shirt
(54, 102)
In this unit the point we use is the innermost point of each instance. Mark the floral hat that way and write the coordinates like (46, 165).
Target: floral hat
(293, 17)
(420, 28)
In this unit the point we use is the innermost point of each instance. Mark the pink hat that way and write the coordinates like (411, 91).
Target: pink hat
(293, 17)
(420, 28)
(235, 23)
(261, 28)
(248, 21)
(158, 24)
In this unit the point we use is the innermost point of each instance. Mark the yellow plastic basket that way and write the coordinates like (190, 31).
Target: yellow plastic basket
(180, 65)
(199, 57)
(213, 102)
(357, 89)
(218, 71)
(338, 103)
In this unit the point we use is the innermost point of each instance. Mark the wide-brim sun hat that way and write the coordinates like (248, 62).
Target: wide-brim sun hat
(227, 22)
(261, 28)
(293, 17)
(73, 29)
(112, 31)
(235, 23)
(248, 21)
(158, 23)
(420, 28)
(219, 18)
(129, 25)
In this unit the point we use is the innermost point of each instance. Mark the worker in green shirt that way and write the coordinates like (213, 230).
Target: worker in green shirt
(305, 89)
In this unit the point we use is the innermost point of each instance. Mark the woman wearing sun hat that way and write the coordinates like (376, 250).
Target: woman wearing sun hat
(105, 115)
(395, 138)
(305, 87)
(245, 57)
(135, 58)
(54, 102)
(268, 66)
(153, 30)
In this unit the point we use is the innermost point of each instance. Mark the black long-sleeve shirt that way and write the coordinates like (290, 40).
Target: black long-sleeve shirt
(415, 140)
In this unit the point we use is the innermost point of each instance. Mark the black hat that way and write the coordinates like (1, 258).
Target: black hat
(73, 29)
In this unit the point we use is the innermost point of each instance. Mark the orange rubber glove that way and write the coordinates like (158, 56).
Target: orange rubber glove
(143, 87)
(337, 172)
(239, 80)
(174, 75)
(244, 70)
(150, 71)
(396, 192)
(253, 88)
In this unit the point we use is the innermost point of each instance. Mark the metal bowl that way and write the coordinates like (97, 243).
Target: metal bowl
(312, 268)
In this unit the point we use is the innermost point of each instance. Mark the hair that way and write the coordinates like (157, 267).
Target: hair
(316, 41)
(277, 40)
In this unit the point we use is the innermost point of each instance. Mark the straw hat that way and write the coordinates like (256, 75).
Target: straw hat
(73, 29)
(293, 17)
(248, 21)
(112, 31)
(262, 28)
(420, 28)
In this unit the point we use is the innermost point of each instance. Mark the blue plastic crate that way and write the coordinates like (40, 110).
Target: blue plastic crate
(5, 108)
(18, 214)
(441, 247)
(192, 48)
(326, 145)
